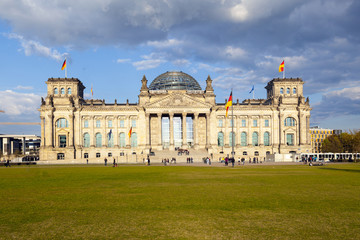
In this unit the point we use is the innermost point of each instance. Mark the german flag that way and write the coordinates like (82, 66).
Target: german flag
(130, 131)
(64, 65)
(228, 104)
(282, 66)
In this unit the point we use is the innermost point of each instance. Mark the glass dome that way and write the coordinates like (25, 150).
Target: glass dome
(174, 81)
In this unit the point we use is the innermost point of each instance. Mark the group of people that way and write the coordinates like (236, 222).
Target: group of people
(189, 160)
(166, 161)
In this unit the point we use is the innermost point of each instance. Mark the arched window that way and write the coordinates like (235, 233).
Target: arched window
(281, 90)
(133, 140)
(243, 139)
(294, 90)
(289, 121)
(267, 139)
(122, 140)
(98, 138)
(288, 90)
(62, 91)
(255, 139)
(220, 139)
(56, 91)
(69, 91)
(231, 138)
(62, 123)
(110, 138)
(86, 140)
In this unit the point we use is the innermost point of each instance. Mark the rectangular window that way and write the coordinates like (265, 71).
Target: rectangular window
(86, 155)
(290, 139)
(62, 141)
(231, 122)
(220, 122)
(122, 123)
(98, 123)
(86, 123)
(97, 155)
(254, 123)
(133, 123)
(110, 123)
(243, 123)
(109, 154)
(60, 156)
(266, 122)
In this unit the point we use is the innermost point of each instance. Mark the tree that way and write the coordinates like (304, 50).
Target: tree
(347, 141)
(332, 144)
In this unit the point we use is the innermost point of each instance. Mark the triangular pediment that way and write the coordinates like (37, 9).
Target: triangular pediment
(179, 100)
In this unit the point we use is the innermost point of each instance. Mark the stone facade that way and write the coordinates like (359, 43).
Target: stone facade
(74, 128)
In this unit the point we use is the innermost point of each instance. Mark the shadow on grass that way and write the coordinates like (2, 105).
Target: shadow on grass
(342, 170)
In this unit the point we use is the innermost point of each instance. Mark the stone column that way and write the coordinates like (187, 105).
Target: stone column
(171, 124)
(103, 127)
(184, 136)
(147, 130)
(207, 129)
(116, 132)
(160, 130)
(237, 130)
(71, 127)
(249, 137)
(42, 121)
(195, 128)
(49, 138)
(92, 133)
(261, 133)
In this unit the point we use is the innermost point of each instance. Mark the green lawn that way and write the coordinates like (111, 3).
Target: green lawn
(180, 202)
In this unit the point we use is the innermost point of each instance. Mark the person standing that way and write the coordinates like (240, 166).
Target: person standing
(105, 161)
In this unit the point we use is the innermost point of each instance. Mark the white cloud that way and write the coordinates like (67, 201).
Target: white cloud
(123, 60)
(31, 47)
(15, 103)
(24, 87)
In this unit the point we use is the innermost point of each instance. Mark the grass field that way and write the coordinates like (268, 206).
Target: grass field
(180, 202)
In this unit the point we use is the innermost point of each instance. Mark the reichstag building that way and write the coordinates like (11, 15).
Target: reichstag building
(172, 113)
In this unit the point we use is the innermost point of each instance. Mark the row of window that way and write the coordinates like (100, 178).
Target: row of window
(62, 123)
(61, 156)
(62, 91)
(243, 123)
(287, 90)
(320, 132)
(289, 121)
(110, 140)
(255, 139)
(109, 123)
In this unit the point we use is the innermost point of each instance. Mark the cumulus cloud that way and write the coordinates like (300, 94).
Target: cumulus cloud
(247, 39)
(31, 47)
(341, 102)
(15, 103)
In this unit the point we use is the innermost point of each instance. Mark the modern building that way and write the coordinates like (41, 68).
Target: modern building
(172, 113)
(318, 135)
(12, 145)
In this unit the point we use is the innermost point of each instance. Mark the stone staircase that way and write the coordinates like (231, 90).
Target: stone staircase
(197, 155)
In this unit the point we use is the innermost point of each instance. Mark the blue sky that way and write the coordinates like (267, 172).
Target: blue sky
(112, 44)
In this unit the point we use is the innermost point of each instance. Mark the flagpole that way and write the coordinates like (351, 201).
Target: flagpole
(254, 93)
(284, 71)
(65, 68)
(232, 128)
